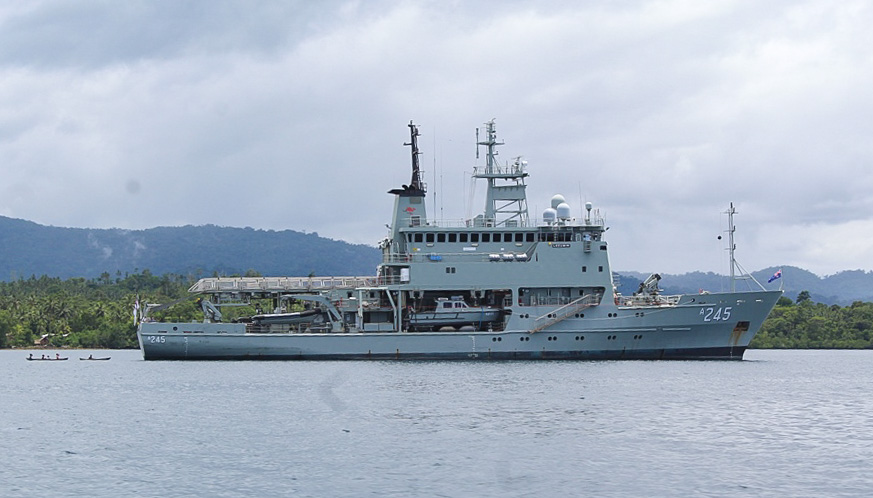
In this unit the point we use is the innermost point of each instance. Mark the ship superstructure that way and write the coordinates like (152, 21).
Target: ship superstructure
(497, 286)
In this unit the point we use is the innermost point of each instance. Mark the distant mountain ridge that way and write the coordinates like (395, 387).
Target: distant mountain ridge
(27, 248)
(842, 288)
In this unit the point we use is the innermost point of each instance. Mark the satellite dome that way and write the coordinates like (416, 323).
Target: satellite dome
(563, 211)
(550, 215)
(557, 199)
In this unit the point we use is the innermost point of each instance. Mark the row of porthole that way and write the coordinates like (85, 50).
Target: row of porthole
(578, 338)
(496, 339)
(580, 315)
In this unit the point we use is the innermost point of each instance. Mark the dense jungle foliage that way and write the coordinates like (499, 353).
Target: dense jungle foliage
(809, 325)
(98, 313)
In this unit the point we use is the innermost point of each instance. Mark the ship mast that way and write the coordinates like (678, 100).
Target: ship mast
(415, 184)
(731, 246)
(409, 207)
(506, 199)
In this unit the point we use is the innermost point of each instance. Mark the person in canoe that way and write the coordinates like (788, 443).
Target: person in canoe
(90, 356)
(57, 356)
(30, 357)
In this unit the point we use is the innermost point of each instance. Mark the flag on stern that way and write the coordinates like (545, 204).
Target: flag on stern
(776, 275)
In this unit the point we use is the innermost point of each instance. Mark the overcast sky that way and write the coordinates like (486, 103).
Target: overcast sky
(292, 115)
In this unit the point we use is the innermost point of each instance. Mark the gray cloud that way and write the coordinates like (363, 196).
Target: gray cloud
(292, 115)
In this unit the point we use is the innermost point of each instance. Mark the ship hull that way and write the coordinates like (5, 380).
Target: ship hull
(686, 331)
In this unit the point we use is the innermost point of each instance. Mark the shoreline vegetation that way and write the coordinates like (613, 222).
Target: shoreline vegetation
(49, 313)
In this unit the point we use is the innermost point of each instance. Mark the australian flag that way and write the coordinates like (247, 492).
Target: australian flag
(776, 275)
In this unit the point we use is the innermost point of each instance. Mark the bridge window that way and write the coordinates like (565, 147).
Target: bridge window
(486, 237)
(441, 237)
(474, 238)
(453, 237)
(429, 238)
(463, 237)
(419, 237)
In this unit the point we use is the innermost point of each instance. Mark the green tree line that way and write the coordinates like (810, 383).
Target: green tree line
(98, 313)
(95, 313)
(808, 325)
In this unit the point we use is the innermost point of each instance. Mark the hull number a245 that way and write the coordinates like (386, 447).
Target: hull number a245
(716, 314)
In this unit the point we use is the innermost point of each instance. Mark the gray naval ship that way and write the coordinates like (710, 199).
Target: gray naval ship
(498, 286)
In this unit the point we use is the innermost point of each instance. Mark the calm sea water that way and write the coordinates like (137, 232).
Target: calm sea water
(782, 423)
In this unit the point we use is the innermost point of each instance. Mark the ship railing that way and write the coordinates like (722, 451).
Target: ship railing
(389, 280)
(284, 328)
(646, 301)
(511, 170)
(594, 220)
(277, 284)
(548, 301)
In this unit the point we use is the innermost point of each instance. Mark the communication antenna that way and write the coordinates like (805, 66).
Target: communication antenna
(732, 247)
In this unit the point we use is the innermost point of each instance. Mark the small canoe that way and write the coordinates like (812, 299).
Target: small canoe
(96, 359)
(46, 359)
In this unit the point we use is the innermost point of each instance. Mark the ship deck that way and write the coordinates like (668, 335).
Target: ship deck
(268, 285)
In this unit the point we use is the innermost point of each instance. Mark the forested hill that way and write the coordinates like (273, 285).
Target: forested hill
(27, 248)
